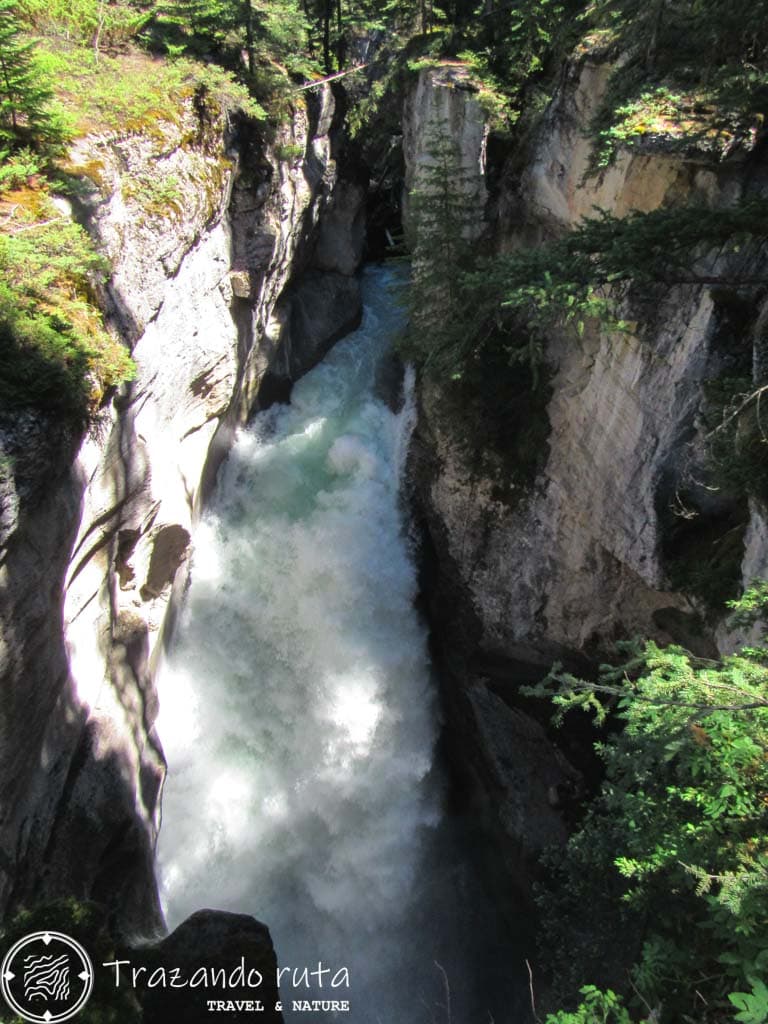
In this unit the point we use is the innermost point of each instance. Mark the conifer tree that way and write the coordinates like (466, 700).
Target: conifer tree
(25, 117)
(270, 29)
(204, 21)
(446, 214)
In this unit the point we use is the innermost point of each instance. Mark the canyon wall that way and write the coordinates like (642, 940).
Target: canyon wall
(233, 253)
(603, 540)
(441, 109)
(221, 235)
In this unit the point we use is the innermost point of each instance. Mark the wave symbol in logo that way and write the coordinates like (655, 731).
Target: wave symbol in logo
(46, 977)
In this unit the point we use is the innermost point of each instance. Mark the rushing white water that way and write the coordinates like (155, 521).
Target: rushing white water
(298, 714)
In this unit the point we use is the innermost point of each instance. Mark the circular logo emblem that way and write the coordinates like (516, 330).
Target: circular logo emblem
(46, 977)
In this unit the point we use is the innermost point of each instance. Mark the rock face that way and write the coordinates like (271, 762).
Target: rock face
(521, 782)
(341, 237)
(234, 943)
(556, 570)
(442, 108)
(555, 190)
(310, 316)
(205, 225)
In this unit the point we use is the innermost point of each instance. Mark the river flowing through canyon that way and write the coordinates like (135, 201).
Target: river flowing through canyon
(299, 715)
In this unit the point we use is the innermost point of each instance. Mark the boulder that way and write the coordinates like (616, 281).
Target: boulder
(216, 940)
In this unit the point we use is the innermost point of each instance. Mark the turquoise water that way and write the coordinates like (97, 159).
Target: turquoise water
(298, 710)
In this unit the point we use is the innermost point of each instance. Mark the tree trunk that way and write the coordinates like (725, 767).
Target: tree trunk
(9, 91)
(327, 15)
(249, 36)
(308, 16)
(340, 37)
(102, 17)
(653, 42)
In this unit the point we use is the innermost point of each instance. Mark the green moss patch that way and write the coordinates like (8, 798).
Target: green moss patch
(56, 352)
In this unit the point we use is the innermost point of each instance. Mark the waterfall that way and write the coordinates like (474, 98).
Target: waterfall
(298, 713)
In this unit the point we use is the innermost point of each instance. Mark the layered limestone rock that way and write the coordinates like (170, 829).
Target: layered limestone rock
(511, 771)
(556, 569)
(557, 190)
(576, 560)
(204, 225)
(311, 315)
(442, 107)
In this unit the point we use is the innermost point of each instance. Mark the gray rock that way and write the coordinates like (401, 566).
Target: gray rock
(312, 314)
(215, 940)
(443, 105)
(341, 236)
(96, 530)
(389, 381)
(170, 547)
(525, 782)
(576, 559)
(520, 576)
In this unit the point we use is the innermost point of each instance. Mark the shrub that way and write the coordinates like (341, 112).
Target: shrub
(672, 854)
(136, 92)
(57, 353)
(88, 924)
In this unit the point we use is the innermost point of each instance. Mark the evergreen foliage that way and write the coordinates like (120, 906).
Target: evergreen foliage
(595, 1007)
(586, 273)
(735, 444)
(264, 31)
(25, 115)
(56, 352)
(691, 70)
(494, 391)
(511, 45)
(135, 93)
(99, 24)
(514, 300)
(672, 854)
(445, 207)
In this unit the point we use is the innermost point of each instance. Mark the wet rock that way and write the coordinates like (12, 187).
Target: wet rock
(313, 313)
(96, 529)
(218, 941)
(341, 237)
(388, 385)
(99, 847)
(525, 782)
(170, 547)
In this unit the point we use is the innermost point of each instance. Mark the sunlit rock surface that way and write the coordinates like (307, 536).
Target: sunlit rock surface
(97, 540)
(520, 577)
